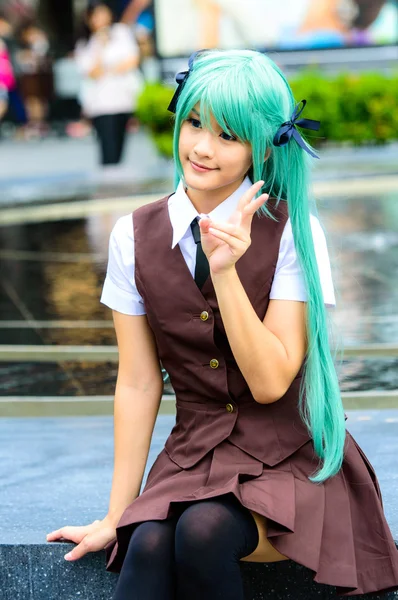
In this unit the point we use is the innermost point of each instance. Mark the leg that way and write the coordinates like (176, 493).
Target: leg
(122, 120)
(211, 537)
(148, 568)
(99, 126)
(106, 130)
(265, 552)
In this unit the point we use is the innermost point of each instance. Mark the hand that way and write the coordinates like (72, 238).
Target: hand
(90, 538)
(97, 71)
(225, 243)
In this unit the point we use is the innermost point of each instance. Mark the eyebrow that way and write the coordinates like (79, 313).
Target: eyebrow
(195, 111)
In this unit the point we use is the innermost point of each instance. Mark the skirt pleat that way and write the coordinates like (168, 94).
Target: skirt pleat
(337, 528)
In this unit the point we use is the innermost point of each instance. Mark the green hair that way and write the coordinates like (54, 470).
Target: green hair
(250, 98)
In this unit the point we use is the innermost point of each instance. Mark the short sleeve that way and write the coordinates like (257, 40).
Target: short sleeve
(119, 291)
(85, 56)
(288, 283)
(123, 35)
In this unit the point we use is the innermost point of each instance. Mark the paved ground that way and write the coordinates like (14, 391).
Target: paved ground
(62, 467)
(66, 168)
(61, 168)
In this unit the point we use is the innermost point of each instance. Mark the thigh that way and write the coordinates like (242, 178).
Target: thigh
(265, 552)
(214, 528)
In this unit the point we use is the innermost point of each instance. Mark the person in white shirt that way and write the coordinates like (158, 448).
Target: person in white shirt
(108, 61)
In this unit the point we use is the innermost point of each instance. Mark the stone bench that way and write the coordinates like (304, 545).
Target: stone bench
(57, 471)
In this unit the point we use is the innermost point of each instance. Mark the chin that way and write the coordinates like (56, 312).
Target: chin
(201, 186)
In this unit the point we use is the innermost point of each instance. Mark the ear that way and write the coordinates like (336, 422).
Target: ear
(267, 154)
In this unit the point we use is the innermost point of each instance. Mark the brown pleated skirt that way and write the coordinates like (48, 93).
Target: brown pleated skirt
(337, 528)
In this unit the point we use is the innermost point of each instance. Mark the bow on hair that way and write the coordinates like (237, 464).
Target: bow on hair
(181, 79)
(288, 129)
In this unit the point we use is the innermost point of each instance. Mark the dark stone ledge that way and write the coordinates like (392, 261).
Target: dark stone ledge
(40, 572)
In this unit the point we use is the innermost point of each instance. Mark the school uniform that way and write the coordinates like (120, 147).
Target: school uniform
(223, 440)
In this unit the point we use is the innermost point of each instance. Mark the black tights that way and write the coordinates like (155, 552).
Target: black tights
(193, 556)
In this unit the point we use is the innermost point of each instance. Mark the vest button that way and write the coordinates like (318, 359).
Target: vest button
(214, 363)
(229, 408)
(204, 315)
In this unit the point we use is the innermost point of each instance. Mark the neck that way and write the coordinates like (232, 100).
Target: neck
(207, 200)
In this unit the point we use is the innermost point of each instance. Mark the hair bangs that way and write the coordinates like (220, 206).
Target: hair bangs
(222, 93)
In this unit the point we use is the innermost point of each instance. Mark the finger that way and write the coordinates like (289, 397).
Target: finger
(80, 550)
(230, 228)
(204, 224)
(249, 194)
(72, 533)
(55, 535)
(234, 242)
(255, 204)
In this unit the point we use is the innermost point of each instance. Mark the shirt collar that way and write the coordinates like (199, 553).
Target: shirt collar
(182, 212)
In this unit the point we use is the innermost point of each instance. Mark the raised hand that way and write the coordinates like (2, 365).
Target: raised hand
(225, 243)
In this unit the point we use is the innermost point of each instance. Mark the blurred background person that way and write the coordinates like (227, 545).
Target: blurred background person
(12, 102)
(36, 76)
(108, 59)
(7, 79)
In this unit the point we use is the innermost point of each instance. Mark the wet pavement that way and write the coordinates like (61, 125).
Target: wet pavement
(54, 271)
(58, 169)
(51, 273)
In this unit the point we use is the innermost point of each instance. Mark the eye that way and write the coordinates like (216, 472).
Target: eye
(227, 137)
(194, 122)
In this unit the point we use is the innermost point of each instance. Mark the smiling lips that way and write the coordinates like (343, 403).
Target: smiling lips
(200, 168)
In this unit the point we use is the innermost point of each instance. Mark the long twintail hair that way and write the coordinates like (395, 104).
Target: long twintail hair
(250, 98)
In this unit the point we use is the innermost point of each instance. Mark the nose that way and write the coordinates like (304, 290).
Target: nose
(204, 144)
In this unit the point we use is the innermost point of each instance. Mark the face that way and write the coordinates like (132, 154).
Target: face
(101, 17)
(5, 28)
(212, 160)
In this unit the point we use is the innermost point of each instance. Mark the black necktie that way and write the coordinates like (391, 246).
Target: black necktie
(202, 268)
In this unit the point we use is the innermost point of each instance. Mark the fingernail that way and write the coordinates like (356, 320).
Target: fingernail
(67, 556)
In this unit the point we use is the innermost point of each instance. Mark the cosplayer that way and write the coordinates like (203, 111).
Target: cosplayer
(259, 466)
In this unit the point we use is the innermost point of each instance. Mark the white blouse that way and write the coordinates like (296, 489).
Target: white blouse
(120, 292)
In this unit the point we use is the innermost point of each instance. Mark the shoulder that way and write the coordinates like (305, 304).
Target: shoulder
(152, 208)
(82, 44)
(318, 233)
(121, 28)
(122, 234)
(122, 31)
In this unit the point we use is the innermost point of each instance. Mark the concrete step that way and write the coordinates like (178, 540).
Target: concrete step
(39, 572)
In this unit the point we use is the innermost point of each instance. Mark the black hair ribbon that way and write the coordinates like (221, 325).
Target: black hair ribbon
(288, 129)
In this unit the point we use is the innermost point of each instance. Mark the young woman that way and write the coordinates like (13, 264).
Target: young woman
(109, 61)
(259, 465)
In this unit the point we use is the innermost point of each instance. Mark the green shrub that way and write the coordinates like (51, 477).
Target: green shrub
(359, 108)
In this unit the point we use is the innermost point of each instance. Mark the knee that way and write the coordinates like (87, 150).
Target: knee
(195, 537)
(149, 544)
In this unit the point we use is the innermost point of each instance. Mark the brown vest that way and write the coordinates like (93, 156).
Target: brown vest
(213, 400)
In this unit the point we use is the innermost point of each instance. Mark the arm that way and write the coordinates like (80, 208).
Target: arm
(127, 64)
(133, 10)
(127, 56)
(269, 353)
(88, 62)
(138, 393)
(210, 15)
